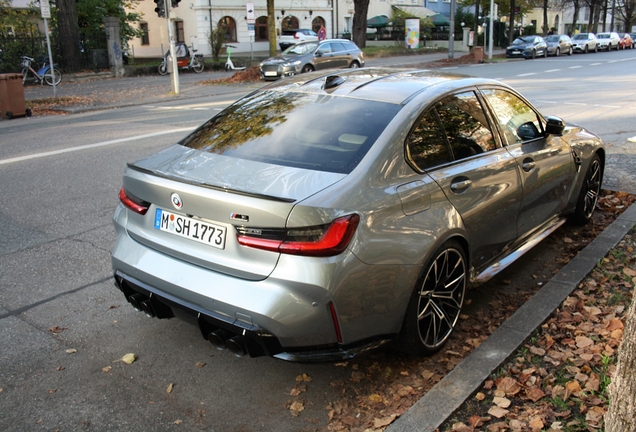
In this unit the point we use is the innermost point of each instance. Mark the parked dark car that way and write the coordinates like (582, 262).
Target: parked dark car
(311, 56)
(559, 44)
(527, 47)
(329, 213)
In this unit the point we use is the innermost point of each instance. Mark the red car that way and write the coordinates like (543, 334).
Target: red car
(626, 42)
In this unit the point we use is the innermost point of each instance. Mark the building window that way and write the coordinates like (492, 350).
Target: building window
(229, 25)
(145, 40)
(179, 30)
(289, 23)
(260, 29)
(317, 23)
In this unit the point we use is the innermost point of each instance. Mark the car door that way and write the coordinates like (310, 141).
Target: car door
(324, 57)
(453, 143)
(545, 162)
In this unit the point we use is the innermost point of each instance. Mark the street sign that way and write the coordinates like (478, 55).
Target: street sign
(45, 9)
(250, 30)
(251, 15)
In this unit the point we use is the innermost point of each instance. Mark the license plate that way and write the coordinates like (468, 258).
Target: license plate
(190, 228)
(516, 52)
(271, 73)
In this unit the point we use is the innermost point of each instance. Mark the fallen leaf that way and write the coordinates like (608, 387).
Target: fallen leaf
(501, 402)
(51, 391)
(480, 396)
(534, 394)
(498, 412)
(129, 358)
(427, 374)
(537, 351)
(296, 408)
(629, 272)
(342, 364)
(57, 329)
(178, 422)
(536, 423)
(199, 365)
(71, 351)
(508, 385)
(60, 368)
(385, 421)
(375, 398)
(303, 377)
(106, 368)
(294, 392)
(170, 387)
(595, 415)
(583, 341)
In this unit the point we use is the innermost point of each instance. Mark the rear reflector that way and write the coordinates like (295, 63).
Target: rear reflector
(132, 202)
(336, 324)
(323, 240)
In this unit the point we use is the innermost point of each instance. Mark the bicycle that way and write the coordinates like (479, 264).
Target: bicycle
(43, 75)
(186, 59)
(228, 64)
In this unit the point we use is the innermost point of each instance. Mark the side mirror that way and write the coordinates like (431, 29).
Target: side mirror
(554, 126)
(319, 53)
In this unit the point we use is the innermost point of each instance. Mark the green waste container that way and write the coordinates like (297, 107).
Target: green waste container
(12, 103)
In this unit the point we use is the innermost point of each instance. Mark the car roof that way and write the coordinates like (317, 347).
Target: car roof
(388, 85)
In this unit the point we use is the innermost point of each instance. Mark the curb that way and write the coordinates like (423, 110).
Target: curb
(439, 403)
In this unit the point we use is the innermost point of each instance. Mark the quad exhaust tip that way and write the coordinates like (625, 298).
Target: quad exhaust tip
(222, 339)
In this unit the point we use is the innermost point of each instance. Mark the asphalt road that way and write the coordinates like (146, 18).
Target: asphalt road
(62, 321)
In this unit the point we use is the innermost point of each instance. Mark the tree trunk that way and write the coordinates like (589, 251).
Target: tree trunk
(622, 390)
(68, 34)
(359, 33)
(546, 24)
(511, 30)
(271, 28)
(575, 16)
(477, 21)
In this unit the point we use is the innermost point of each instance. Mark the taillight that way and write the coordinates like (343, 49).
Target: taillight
(323, 240)
(296, 36)
(132, 202)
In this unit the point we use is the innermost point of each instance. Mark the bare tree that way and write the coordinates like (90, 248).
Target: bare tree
(622, 390)
(546, 24)
(626, 10)
(359, 33)
(68, 31)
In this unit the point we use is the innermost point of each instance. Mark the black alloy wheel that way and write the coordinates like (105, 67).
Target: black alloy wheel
(436, 302)
(588, 196)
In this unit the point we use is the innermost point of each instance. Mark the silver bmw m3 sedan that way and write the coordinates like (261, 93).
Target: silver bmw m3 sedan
(330, 213)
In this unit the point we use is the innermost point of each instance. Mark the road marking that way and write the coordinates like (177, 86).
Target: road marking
(447, 68)
(90, 146)
(548, 102)
(607, 106)
(596, 64)
(575, 67)
(574, 103)
(527, 74)
(552, 70)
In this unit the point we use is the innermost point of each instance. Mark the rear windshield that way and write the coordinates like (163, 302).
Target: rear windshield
(303, 130)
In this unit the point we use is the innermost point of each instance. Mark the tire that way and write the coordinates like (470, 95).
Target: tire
(557, 52)
(596, 49)
(29, 113)
(571, 51)
(585, 50)
(534, 54)
(545, 53)
(57, 76)
(354, 65)
(436, 302)
(198, 65)
(307, 68)
(8, 115)
(162, 69)
(588, 195)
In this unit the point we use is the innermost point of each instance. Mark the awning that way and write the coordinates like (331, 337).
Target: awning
(378, 22)
(422, 12)
(440, 20)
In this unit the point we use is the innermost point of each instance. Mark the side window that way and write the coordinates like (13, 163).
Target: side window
(465, 124)
(517, 121)
(337, 47)
(426, 146)
(325, 48)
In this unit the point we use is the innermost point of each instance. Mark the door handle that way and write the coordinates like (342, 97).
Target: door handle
(460, 186)
(528, 165)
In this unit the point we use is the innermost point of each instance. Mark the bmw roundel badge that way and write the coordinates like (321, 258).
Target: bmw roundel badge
(176, 200)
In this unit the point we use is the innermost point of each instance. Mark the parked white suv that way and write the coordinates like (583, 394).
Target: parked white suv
(608, 41)
(293, 36)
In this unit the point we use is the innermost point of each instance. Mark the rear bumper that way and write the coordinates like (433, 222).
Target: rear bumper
(287, 315)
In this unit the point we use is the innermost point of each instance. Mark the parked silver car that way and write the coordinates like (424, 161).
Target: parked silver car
(559, 44)
(608, 41)
(329, 213)
(311, 56)
(584, 42)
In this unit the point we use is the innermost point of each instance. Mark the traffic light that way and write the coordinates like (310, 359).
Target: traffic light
(175, 3)
(161, 8)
